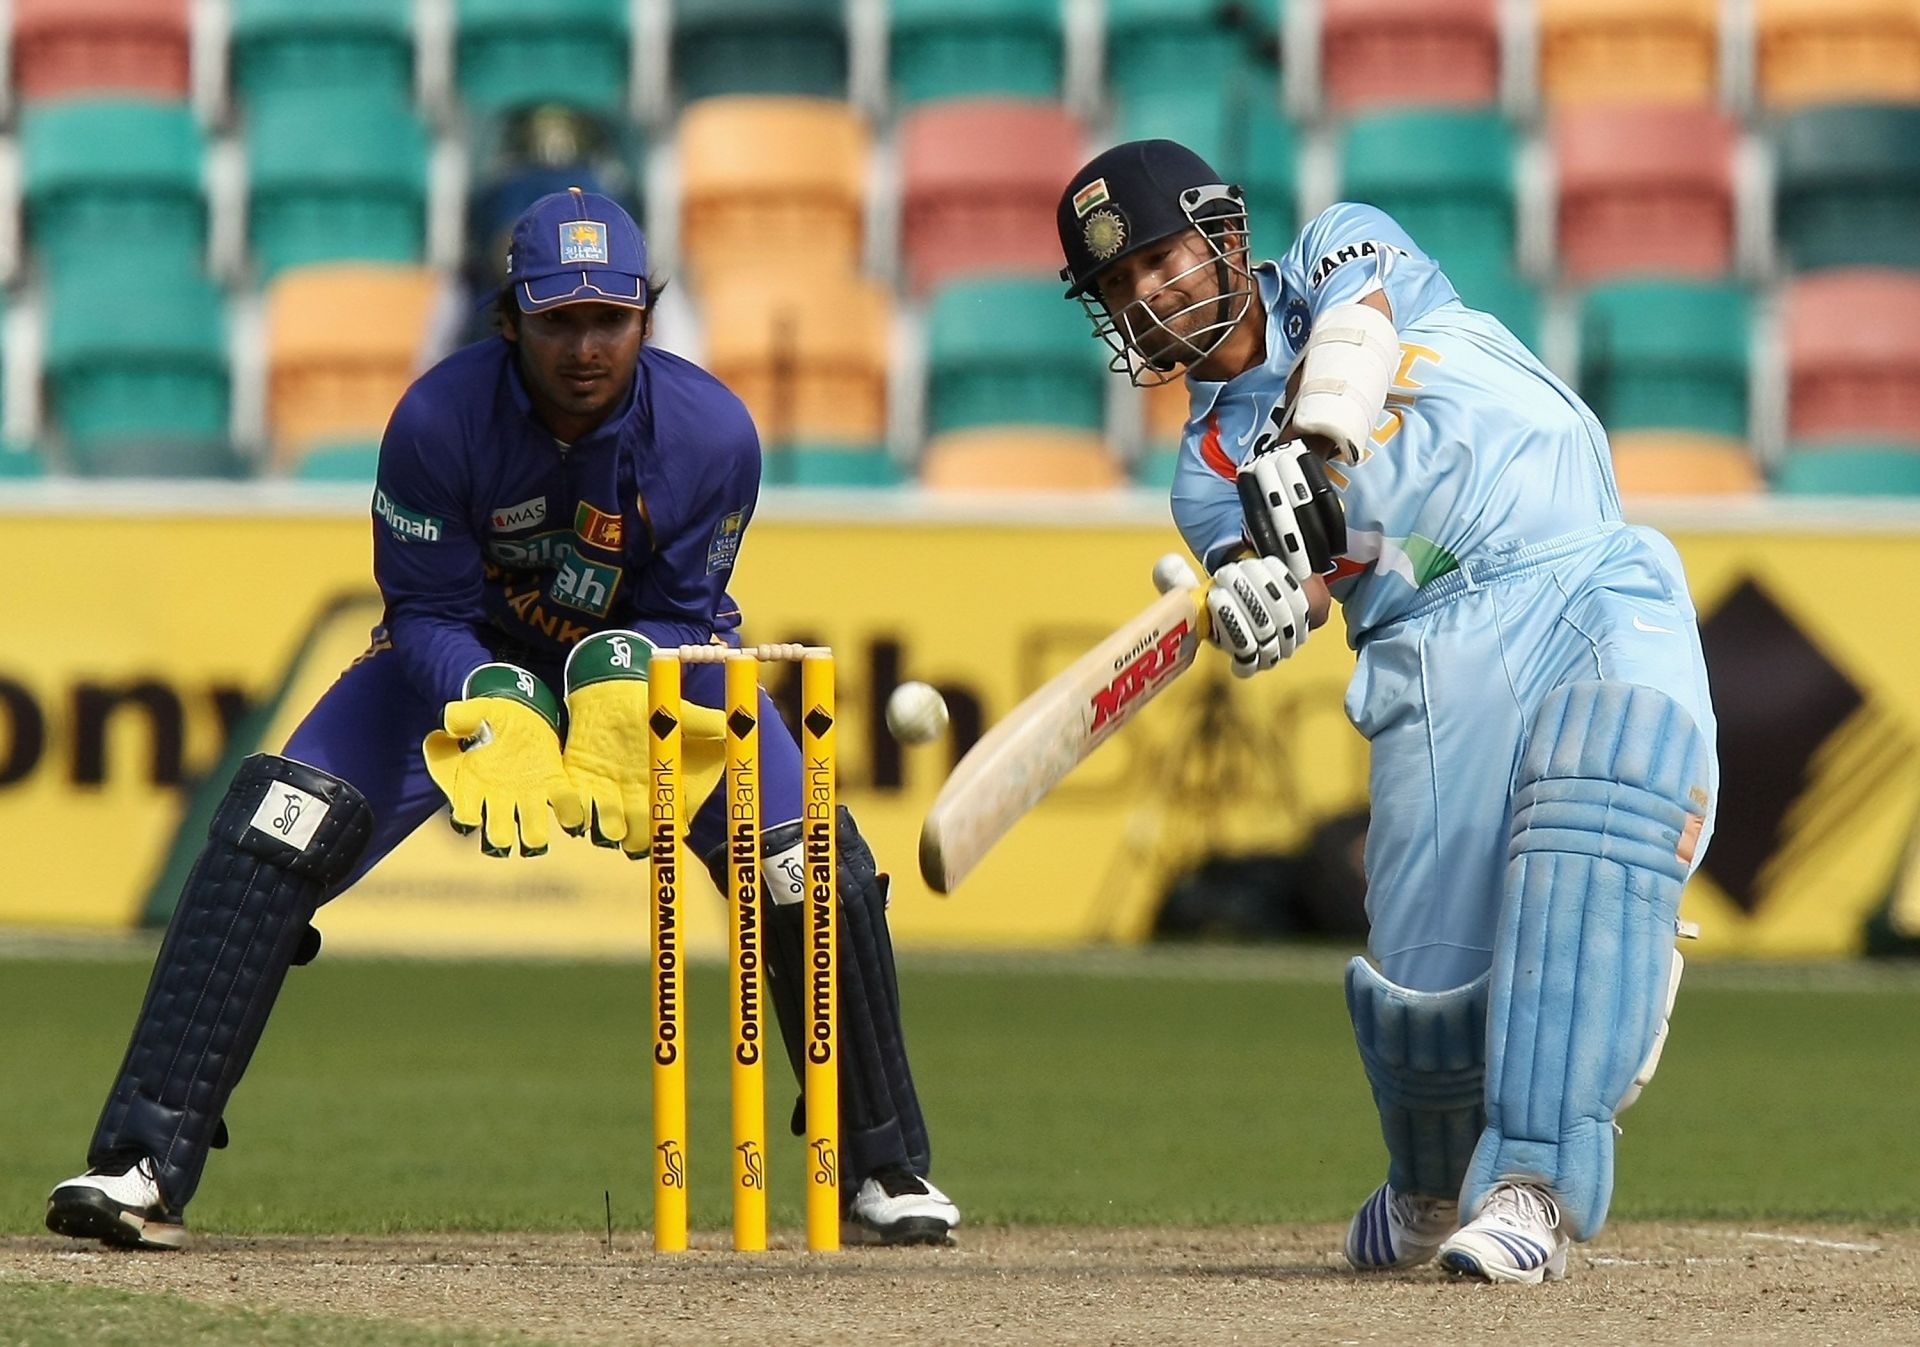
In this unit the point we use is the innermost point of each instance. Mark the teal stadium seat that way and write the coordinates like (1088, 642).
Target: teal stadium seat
(1161, 47)
(1513, 299)
(965, 48)
(1847, 186)
(1007, 350)
(335, 178)
(1243, 135)
(119, 176)
(759, 47)
(1850, 470)
(1154, 469)
(353, 48)
(352, 462)
(1446, 175)
(20, 463)
(136, 372)
(1666, 355)
(509, 53)
(831, 465)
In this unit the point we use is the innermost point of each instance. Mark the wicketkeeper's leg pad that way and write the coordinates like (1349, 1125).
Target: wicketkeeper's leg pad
(283, 837)
(1425, 1057)
(1611, 800)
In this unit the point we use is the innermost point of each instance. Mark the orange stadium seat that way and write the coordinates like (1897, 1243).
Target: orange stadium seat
(1675, 463)
(1853, 354)
(343, 342)
(100, 46)
(980, 179)
(1376, 52)
(1644, 188)
(1613, 51)
(805, 350)
(1019, 458)
(1829, 51)
(771, 182)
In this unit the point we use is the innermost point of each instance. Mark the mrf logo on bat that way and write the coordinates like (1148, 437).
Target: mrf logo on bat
(1140, 673)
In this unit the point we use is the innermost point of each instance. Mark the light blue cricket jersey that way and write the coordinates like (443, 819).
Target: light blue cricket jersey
(1480, 448)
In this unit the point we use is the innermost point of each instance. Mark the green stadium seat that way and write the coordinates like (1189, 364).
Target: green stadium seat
(1155, 468)
(830, 465)
(335, 178)
(1157, 47)
(20, 462)
(119, 176)
(509, 53)
(353, 48)
(353, 462)
(1244, 136)
(1668, 355)
(964, 48)
(1446, 175)
(136, 372)
(1007, 350)
(1513, 299)
(1852, 470)
(1847, 186)
(759, 47)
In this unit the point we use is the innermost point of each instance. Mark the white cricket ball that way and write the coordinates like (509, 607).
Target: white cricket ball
(916, 713)
(1173, 572)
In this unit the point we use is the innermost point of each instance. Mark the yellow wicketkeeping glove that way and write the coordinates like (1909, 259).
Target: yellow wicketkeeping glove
(607, 752)
(497, 758)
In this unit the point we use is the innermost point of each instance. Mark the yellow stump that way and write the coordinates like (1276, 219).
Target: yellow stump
(822, 1075)
(669, 1002)
(744, 950)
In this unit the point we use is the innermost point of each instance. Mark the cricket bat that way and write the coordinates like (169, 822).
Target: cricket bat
(1031, 750)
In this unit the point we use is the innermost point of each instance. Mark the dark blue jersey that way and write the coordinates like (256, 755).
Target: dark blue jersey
(492, 540)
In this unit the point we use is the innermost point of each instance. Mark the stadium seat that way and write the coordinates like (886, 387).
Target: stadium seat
(759, 47)
(1155, 468)
(1847, 186)
(1239, 130)
(1157, 48)
(351, 48)
(829, 465)
(1666, 355)
(343, 342)
(352, 461)
(1675, 463)
(513, 52)
(1853, 355)
(979, 182)
(1644, 188)
(1511, 298)
(334, 178)
(19, 462)
(1008, 350)
(1629, 51)
(66, 47)
(1446, 175)
(1377, 52)
(771, 183)
(971, 48)
(806, 351)
(1164, 414)
(1823, 51)
(1849, 470)
(1019, 458)
(136, 371)
(119, 175)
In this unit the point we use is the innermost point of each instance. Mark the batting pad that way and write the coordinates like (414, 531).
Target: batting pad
(1425, 1057)
(1611, 798)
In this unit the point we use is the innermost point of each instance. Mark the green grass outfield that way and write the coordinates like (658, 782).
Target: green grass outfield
(1179, 1087)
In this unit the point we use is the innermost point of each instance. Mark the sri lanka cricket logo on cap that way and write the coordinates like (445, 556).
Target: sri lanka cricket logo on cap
(1105, 232)
(583, 241)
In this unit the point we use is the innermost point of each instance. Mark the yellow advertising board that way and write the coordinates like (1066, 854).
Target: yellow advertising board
(138, 643)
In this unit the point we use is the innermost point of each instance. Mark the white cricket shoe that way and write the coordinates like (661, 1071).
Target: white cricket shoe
(1393, 1230)
(1515, 1238)
(895, 1206)
(123, 1207)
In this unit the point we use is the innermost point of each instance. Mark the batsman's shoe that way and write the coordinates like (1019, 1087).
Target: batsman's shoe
(123, 1207)
(1515, 1238)
(1394, 1230)
(895, 1206)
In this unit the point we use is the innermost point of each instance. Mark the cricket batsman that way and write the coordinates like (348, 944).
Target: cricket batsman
(551, 502)
(1528, 674)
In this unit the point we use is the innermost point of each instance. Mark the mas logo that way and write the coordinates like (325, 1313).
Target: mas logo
(585, 586)
(408, 524)
(725, 546)
(525, 515)
(597, 527)
(583, 241)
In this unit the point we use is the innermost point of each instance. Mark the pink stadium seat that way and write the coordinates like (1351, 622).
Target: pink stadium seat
(1647, 188)
(979, 179)
(1377, 52)
(1853, 354)
(1019, 458)
(63, 47)
(1638, 51)
(1836, 51)
(1674, 463)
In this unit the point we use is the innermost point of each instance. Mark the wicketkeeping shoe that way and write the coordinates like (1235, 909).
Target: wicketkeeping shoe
(123, 1207)
(895, 1206)
(1515, 1238)
(1393, 1230)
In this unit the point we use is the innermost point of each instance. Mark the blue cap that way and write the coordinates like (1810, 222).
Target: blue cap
(576, 247)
